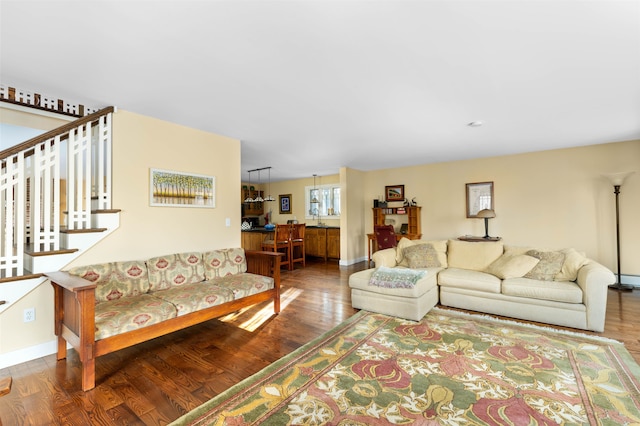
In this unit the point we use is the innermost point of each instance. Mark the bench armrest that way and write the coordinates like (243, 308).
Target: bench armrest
(70, 282)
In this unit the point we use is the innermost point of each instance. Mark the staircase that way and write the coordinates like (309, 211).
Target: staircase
(55, 201)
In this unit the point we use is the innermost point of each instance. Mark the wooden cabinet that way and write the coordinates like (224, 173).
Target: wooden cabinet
(251, 209)
(252, 240)
(414, 230)
(333, 243)
(322, 242)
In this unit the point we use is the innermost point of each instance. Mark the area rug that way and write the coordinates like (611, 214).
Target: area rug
(451, 368)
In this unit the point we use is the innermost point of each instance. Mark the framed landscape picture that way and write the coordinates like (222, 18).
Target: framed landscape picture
(177, 189)
(394, 193)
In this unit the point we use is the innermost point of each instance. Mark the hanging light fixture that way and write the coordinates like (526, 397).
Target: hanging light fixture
(258, 198)
(315, 189)
(269, 197)
(249, 199)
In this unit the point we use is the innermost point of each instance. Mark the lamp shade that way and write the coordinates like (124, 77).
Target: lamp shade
(486, 214)
(617, 179)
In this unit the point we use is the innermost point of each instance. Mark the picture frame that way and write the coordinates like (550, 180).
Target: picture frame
(394, 193)
(169, 188)
(285, 203)
(479, 196)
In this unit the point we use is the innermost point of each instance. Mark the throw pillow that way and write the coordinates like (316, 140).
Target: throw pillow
(440, 246)
(512, 266)
(573, 261)
(421, 256)
(549, 266)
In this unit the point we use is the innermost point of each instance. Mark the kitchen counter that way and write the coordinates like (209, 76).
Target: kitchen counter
(258, 229)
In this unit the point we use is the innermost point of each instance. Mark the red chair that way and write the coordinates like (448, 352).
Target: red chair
(385, 236)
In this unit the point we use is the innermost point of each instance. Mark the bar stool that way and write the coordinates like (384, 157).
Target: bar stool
(281, 242)
(297, 240)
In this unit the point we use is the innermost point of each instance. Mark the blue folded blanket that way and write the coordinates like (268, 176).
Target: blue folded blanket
(395, 277)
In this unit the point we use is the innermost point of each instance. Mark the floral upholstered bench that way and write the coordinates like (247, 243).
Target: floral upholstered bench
(106, 307)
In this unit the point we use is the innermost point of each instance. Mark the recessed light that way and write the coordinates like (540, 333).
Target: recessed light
(475, 124)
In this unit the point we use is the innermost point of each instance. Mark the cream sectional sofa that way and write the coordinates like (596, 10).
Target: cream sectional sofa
(561, 287)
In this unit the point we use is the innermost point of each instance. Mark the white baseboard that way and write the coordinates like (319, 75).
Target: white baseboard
(633, 280)
(27, 354)
(352, 261)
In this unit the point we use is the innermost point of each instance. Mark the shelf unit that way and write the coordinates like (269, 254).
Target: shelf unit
(414, 229)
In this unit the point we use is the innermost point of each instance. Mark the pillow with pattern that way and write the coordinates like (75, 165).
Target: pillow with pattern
(421, 256)
(549, 266)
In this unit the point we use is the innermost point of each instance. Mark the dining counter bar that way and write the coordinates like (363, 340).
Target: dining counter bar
(320, 241)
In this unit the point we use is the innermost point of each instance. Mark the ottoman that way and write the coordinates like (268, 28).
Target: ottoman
(409, 303)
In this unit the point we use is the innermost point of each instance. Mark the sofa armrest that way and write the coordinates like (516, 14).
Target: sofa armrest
(594, 280)
(386, 257)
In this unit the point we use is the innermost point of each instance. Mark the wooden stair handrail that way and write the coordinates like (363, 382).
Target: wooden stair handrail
(53, 133)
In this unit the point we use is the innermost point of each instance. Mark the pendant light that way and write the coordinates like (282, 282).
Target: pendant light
(315, 197)
(258, 198)
(269, 197)
(249, 199)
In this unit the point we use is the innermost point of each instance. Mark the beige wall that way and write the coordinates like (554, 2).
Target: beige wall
(141, 143)
(553, 199)
(351, 229)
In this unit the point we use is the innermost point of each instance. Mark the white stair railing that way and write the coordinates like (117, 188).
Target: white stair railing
(31, 174)
(12, 215)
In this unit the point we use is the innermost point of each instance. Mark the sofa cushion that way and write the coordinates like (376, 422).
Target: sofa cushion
(194, 297)
(468, 279)
(440, 246)
(246, 284)
(476, 256)
(175, 270)
(573, 261)
(220, 263)
(558, 291)
(130, 313)
(115, 280)
(422, 256)
(549, 266)
(507, 266)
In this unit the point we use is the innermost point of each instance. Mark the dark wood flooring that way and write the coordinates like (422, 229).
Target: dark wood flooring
(158, 381)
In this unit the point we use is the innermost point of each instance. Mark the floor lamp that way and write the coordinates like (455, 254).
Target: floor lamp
(617, 179)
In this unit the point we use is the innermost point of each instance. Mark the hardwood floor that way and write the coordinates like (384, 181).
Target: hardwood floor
(158, 381)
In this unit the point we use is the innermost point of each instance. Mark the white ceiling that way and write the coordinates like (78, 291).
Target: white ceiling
(310, 86)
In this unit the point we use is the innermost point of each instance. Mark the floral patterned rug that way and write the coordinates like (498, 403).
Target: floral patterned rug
(450, 368)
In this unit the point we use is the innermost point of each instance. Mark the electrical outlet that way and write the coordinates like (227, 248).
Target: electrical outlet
(29, 314)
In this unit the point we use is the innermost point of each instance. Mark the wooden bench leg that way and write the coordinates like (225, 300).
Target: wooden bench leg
(62, 348)
(5, 385)
(89, 374)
